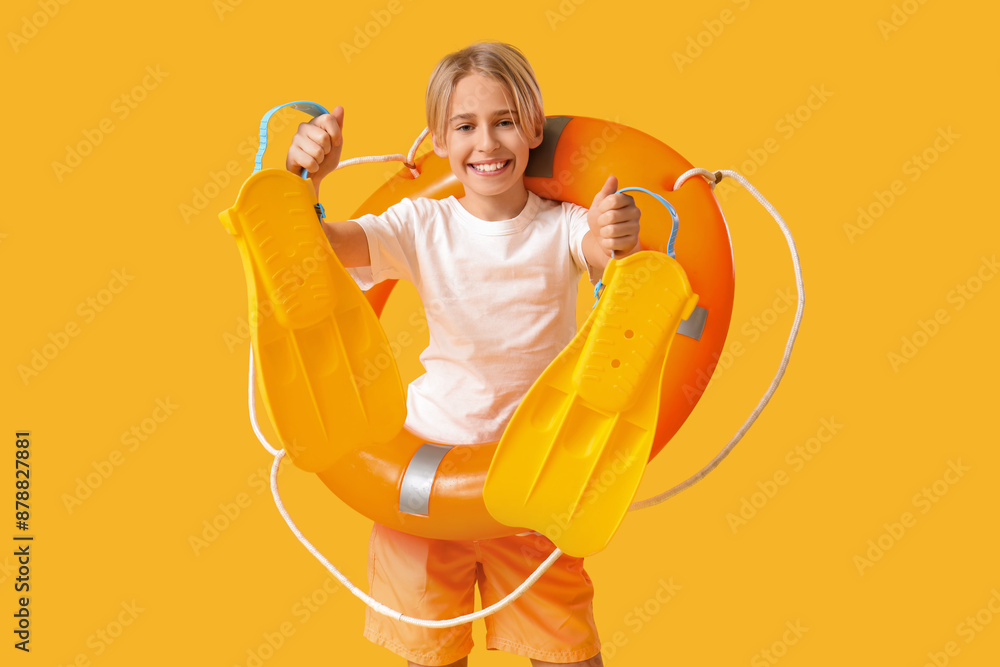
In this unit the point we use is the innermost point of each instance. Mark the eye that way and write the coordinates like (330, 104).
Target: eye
(507, 122)
(462, 128)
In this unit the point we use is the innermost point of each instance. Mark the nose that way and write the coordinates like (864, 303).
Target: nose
(487, 141)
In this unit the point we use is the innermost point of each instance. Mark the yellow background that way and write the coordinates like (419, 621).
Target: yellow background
(162, 334)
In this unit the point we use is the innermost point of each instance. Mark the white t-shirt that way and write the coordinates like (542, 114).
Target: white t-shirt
(500, 298)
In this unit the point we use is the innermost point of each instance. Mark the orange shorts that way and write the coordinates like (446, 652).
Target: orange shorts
(553, 621)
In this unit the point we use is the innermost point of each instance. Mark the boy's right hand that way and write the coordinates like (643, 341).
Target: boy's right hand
(316, 146)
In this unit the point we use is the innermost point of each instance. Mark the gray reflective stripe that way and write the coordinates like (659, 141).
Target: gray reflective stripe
(694, 325)
(415, 491)
(540, 164)
(542, 157)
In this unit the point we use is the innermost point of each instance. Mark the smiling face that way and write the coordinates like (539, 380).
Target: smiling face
(486, 148)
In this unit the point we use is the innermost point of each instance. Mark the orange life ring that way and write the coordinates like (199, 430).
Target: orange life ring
(435, 490)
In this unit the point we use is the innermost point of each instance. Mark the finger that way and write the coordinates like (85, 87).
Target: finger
(316, 134)
(332, 123)
(607, 189)
(620, 229)
(314, 149)
(338, 114)
(623, 244)
(300, 159)
(618, 215)
(618, 201)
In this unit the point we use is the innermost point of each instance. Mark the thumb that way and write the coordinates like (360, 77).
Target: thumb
(609, 188)
(338, 115)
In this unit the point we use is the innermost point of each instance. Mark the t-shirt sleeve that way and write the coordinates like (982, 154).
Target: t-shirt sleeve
(578, 228)
(390, 245)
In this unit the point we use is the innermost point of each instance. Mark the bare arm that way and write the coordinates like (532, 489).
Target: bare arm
(316, 147)
(349, 243)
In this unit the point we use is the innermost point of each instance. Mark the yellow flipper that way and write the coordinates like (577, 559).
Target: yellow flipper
(329, 379)
(571, 458)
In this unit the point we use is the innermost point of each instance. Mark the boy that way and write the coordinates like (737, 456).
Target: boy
(497, 271)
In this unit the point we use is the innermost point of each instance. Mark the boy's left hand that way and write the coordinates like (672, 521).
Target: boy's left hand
(614, 220)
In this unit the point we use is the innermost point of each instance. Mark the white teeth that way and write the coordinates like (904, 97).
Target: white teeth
(490, 167)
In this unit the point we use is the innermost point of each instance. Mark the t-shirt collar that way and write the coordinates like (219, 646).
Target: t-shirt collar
(498, 227)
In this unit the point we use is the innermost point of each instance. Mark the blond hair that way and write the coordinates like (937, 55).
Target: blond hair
(505, 64)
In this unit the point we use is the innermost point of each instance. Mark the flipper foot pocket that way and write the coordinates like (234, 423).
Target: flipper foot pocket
(314, 334)
(572, 456)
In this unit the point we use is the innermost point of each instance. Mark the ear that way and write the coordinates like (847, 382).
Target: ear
(439, 150)
(537, 140)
